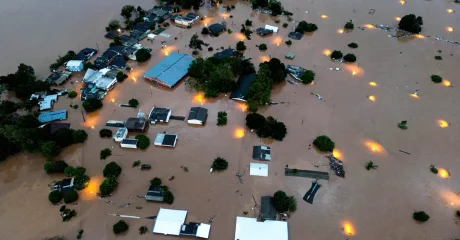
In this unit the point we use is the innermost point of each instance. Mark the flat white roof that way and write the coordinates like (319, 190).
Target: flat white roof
(273, 28)
(203, 230)
(169, 222)
(74, 63)
(250, 229)
(258, 169)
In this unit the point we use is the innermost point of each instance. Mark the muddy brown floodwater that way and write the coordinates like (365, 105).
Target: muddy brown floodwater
(376, 204)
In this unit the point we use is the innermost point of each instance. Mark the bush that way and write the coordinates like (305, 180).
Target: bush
(71, 196)
(411, 23)
(120, 227)
(121, 76)
(79, 136)
(285, 25)
(308, 76)
(112, 169)
(324, 143)
(55, 167)
(113, 25)
(133, 103)
(263, 47)
(420, 216)
(105, 133)
(353, 45)
(349, 57)
(303, 27)
(72, 94)
(288, 42)
(433, 169)
(168, 197)
(229, 31)
(105, 153)
(336, 54)
(87, 65)
(142, 55)
(136, 163)
(248, 23)
(436, 78)
(370, 165)
(55, 197)
(92, 104)
(274, 129)
(240, 46)
(349, 25)
(219, 164)
(143, 230)
(205, 30)
(221, 118)
(255, 121)
(277, 21)
(284, 203)
(402, 125)
(438, 57)
(108, 186)
(155, 182)
(49, 149)
(142, 141)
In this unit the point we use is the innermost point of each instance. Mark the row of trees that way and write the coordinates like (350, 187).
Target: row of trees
(111, 171)
(23, 83)
(217, 75)
(336, 55)
(70, 55)
(266, 127)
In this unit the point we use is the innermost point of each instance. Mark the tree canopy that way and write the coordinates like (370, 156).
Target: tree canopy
(420, 216)
(127, 11)
(324, 143)
(108, 186)
(142, 141)
(304, 26)
(133, 103)
(336, 54)
(240, 46)
(277, 70)
(55, 166)
(55, 197)
(350, 57)
(120, 227)
(349, 25)
(195, 42)
(142, 55)
(411, 23)
(71, 196)
(275, 7)
(112, 169)
(436, 78)
(23, 82)
(92, 104)
(308, 76)
(284, 203)
(219, 164)
(266, 127)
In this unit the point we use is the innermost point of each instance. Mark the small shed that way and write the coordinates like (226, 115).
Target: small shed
(74, 65)
(290, 55)
(155, 193)
(261, 153)
(128, 143)
(197, 115)
(165, 140)
(120, 135)
(267, 210)
(258, 169)
(136, 124)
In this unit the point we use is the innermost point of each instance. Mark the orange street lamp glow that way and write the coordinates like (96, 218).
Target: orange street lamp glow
(397, 18)
(239, 132)
(372, 98)
(340, 30)
(373, 84)
(413, 95)
(443, 173)
(337, 154)
(264, 59)
(450, 29)
(348, 229)
(446, 83)
(373, 146)
(420, 36)
(449, 10)
(199, 98)
(92, 188)
(354, 73)
(324, 16)
(242, 106)
(370, 26)
(112, 100)
(443, 123)
(402, 2)
(327, 52)
(92, 127)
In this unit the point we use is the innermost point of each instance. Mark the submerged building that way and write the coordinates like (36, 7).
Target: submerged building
(169, 71)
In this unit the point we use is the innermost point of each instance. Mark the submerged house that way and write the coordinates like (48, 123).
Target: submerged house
(172, 222)
(85, 54)
(197, 115)
(159, 115)
(261, 153)
(251, 229)
(244, 82)
(140, 31)
(52, 116)
(267, 210)
(165, 140)
(58, 77)
(216, 28)
(97, 83)
(64, 186)
(169, 71)
(74, 65)
(155, 193)
(229, 52)
(136, 124)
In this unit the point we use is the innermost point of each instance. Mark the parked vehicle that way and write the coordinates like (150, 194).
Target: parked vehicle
(145, 166)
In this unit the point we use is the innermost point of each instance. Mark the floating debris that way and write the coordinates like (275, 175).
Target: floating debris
(295, 71)
(336, 165)
(336, 69)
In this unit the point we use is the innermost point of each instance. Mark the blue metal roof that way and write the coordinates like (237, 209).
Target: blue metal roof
(171, 69)
(52, 116)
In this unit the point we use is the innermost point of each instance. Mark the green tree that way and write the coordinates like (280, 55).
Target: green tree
(221, 118)
(72, 94)
(105, 133)
(277, 130)
(168, 197)
(370, 165)
(120, 227)
(126, 11)
(349, 25)
(142, 55)
(260, 90)
(304, 26)
(263, 47)
(433, 169)
(219, 164)
(143, 230)
(436, 78)
(92, 104)
(71, 197)
(248, 23)
(121, 76)
(142, 141)
(81, 181)
(113, 25)
(63, 137)
(255, 121)
(411, 23)
(349, 57)
(240, 46)
(155, 182)
(402, 125)
(336, 54)
(87, 65)
(308, 76)
(55, 166)
(438, 57)
(284, 203)
(49, 149)
(79, 136)
(275, 7)
(276, 70)
(55, 197)
(105, 153)
(353, 45)
(195, 42)
(108, 186)
(420, 216)
(112, 169)
(259, 3)
(205, 31)
(133, 103)
(324, 143)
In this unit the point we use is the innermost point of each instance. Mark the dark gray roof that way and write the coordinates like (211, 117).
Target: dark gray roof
(169, 139)
(244, 82)
(267, 211)
(136, 124)
(159, 114)
(85, 54)
(263, 31)
(295, 35)
(229, 52)
(155, 193)
(112, 34)
(261, 153)
(198, 113)
(131, 141)
(216, 28)
(189, 229)
(118, 62)
(54, 126)
(191, 15)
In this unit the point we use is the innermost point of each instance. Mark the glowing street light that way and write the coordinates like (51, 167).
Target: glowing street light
(337, 154)
(420, 36)
(413, 95)
(327, 52)
(340, 30)
(443, 123)
(373, 84)
(449, 10)
(373, 146)
(446, 83)
(324, 16)
(402, 2)
(348, 228)
(372, 98)
(397, 18)
(443, 173)
(450, 29)
(370, 26)
(239, 132)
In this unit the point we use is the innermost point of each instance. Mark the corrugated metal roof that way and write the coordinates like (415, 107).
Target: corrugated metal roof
(52, 116)
(171, 69)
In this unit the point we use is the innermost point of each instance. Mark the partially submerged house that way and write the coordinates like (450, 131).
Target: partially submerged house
(258, 169)
(216, 28)
(159, 115)
(45, 102)
(140, 31)
(261, 153)
(169, 71)
(263, 31)
(155, 193)
(165, 140)
(244, 82)
(58, 77)
(85, 54)
(192, 16)
(52, 127)
(112, 34)
(251, 229)
(272, 28)
(229, 52)
(97, 83)
(129, 143)
(74, 65)
(295, 35)
(267, 210)
(52, 116)
(183, 21)
(120, 134)
(64, 186)
(197, 115)
(172, 222)
(136, 124)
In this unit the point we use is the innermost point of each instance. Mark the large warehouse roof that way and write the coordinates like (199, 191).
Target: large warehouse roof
(250, 229)
(171, 69)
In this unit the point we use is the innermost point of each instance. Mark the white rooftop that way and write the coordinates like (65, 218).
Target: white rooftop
(98, 78)
(258, 169)
(273, 28)
(74, 63)
(250, 229)
(203, 230)
(169, 222)
(47, 102)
